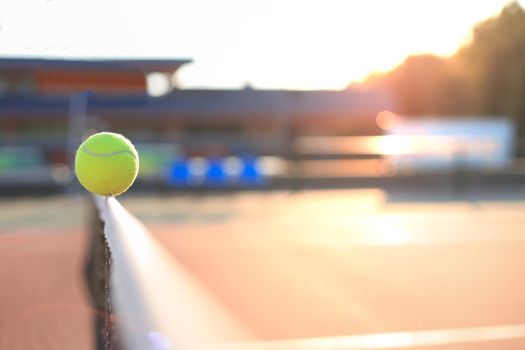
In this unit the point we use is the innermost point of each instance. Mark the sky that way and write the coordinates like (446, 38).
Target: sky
(268, 44)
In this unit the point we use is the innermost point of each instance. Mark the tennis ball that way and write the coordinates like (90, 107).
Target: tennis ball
(106, 163)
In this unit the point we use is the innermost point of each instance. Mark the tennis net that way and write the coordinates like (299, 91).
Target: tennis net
(155, 302)
(146, 300)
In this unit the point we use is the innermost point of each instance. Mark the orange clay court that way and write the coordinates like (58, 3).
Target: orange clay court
(289, 265)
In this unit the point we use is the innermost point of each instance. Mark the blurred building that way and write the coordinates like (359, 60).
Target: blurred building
(42, 101)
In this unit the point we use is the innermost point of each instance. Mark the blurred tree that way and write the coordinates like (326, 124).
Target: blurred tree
(426, 84)
(485, 77)
(493, 65)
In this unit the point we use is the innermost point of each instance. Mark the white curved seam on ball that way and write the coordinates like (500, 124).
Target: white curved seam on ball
(85, 149)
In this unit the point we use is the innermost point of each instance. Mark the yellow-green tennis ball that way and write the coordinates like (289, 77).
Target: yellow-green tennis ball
(106, 164)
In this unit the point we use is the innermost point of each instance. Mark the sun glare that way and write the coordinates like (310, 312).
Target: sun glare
(274, 44)
(386, 120)
(394, 145)
(318, 44)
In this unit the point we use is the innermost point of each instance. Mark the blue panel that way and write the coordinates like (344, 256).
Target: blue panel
(250, 175)
(179, 174)
(215, 176)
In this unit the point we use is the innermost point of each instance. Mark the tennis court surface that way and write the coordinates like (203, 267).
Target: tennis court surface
(348, 268)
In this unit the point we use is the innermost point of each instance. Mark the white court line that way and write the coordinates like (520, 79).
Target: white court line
(390, 340)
